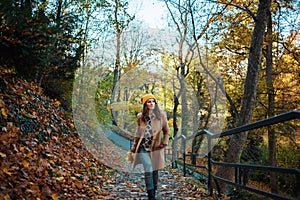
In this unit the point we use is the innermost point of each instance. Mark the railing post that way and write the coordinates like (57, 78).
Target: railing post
(184, 167)
(173, 153)
(297, 185)
(209, 186)
(236, 174)
(183, 149)
(194, 159)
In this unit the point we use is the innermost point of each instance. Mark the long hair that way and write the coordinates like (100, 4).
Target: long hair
(145, 111)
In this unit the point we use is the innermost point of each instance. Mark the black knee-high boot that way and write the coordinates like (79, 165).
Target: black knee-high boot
(149, 184)
(151, 194)
(155, 180)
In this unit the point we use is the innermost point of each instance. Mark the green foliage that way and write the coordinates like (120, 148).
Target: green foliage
(117, 14)
(43, 44)
(252, 152)
(103, 97)
(288, 156)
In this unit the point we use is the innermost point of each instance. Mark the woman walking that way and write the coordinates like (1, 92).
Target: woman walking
(151, 136)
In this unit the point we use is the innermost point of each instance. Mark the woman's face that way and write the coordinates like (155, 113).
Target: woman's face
(151, 104)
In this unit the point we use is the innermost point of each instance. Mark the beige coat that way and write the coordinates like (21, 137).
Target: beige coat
(160, 131)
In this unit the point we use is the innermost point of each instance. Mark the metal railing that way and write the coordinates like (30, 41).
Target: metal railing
(241, 175)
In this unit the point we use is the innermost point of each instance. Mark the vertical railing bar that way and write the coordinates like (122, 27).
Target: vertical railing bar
(209, 186)
(173, 152)
(297, 191)
(184, 159)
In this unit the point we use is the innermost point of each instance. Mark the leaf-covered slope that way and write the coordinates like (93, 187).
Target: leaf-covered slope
(41, 155)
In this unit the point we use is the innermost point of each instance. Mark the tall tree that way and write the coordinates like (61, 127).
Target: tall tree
(232, 53)
(271, 102)
(182, 61)
(119, 19)
(237, 142)
(191, 26)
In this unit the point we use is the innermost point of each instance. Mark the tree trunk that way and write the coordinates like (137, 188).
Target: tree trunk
(184, 108)
(58, 13)
(237, 141)
(270, 91)
(117, 59)
(176, 104)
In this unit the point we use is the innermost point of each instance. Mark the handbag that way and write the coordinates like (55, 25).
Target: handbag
(130, 156)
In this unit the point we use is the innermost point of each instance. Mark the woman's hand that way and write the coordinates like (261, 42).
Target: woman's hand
(129, 156)
(161, 146)
(132, 150)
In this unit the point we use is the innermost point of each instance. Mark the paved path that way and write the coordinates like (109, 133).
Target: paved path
(172, 185)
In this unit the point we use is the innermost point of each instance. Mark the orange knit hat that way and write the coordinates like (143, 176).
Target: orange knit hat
(146, 97)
